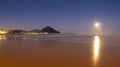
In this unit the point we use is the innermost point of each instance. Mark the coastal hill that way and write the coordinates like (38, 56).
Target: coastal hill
(49, 29)
(45, 30)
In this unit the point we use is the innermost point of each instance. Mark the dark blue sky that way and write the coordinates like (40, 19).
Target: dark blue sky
(67, 16)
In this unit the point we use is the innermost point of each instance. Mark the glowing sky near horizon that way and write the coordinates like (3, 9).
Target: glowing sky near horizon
(67, 16)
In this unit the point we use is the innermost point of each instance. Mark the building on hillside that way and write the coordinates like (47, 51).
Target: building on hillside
(15, 32)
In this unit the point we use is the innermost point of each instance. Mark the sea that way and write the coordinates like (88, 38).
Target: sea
(59, 50)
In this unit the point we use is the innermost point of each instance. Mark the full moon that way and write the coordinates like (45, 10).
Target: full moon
(96, 24)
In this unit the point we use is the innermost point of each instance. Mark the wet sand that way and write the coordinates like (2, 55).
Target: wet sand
(59, 51)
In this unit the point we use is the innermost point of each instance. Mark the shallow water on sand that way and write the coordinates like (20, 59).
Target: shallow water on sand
(59, 51)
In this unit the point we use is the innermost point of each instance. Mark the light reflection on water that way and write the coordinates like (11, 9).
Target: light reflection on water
(3, 37)
(96, 50)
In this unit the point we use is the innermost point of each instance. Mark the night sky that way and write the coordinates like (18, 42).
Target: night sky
(67, 16)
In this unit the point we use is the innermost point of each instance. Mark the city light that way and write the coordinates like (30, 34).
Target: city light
(3, 32)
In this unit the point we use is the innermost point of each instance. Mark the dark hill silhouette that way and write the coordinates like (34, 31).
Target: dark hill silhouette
(49, 29)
